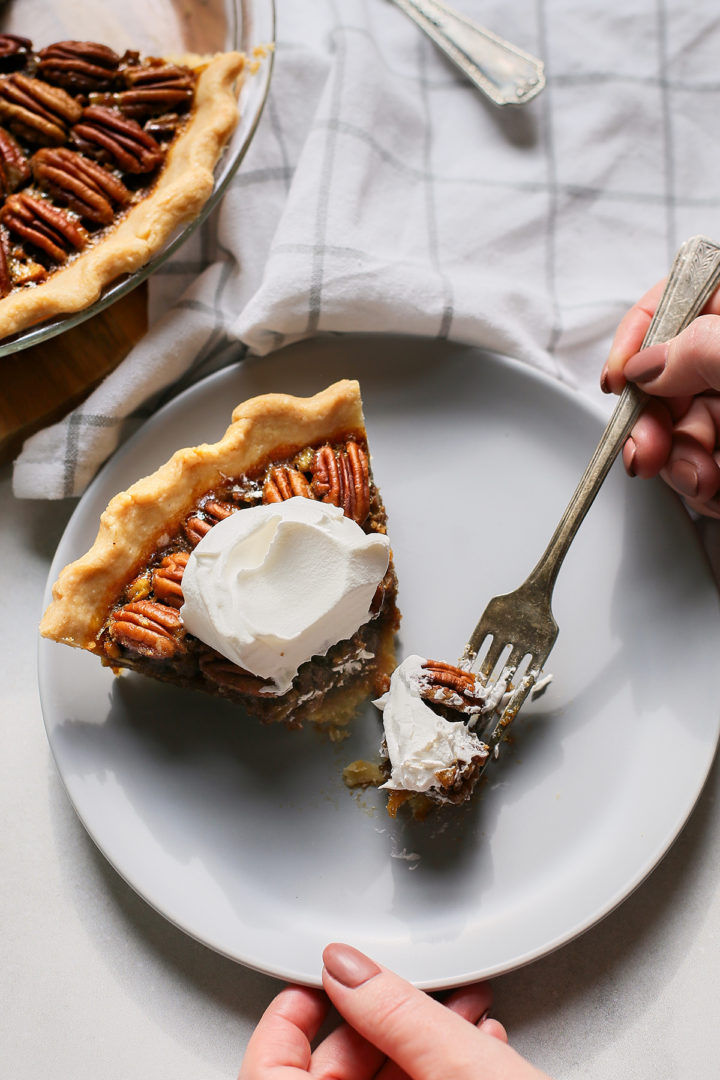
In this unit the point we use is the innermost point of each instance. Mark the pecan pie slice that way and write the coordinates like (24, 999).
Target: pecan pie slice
(286, 469)
(102, 157)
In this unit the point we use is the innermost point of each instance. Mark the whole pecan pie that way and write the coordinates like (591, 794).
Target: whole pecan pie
(102, 156)
(123, 600)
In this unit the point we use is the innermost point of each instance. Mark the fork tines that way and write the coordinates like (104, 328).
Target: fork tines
(506, 692)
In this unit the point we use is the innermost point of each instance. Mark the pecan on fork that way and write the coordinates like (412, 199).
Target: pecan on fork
(454, 687)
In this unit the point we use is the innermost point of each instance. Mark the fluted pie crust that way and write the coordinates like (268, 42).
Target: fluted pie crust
(143, 523)
(178, 194)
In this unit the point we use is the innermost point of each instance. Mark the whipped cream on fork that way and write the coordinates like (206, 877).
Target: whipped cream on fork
(420, 743)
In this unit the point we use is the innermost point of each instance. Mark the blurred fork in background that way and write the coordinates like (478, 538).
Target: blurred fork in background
(504, 73)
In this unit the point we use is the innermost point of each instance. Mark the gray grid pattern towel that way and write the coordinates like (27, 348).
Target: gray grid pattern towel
(383, 193)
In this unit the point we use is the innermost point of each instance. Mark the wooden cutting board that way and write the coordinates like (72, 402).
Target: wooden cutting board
(41, 384)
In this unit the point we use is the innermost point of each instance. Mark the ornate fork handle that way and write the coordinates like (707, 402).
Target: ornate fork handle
(694, 275)
(506, 74)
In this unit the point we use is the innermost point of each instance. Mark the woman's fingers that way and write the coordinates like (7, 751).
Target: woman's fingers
(630, 335)
(629, 338)
(423, 1037)
(494, 1029)
(281, 1046)
(710, 508)
(391, 1071)
(701, 421)
(678, 435)
(650, 442)
(687, 364)
(346, 1055)
(683, 453)
(282, 1039)
(472, 1002)
(692, 471)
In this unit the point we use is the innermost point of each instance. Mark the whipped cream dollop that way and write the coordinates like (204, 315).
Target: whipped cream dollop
(272, 586)
(419, 742)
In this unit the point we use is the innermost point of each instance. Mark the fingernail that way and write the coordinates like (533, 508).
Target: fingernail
(647, 364)
(485, 1016)
(629, 452)
(604, 384)
(349, 966)
(684, 477)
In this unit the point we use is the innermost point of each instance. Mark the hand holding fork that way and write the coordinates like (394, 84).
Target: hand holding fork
(520, 626)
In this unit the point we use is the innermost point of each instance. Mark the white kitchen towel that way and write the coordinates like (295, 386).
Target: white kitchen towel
(383, 193)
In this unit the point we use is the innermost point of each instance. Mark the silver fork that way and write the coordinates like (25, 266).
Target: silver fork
(522, 621)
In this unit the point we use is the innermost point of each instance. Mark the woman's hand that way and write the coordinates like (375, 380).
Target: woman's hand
(391, 1032)
(678, 434)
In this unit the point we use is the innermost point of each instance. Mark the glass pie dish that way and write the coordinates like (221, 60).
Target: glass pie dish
(165, 28)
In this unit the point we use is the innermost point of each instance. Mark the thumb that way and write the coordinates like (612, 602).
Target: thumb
(419, 1034)
(687, 364)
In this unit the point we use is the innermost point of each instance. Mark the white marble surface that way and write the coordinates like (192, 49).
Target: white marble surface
(97, 984)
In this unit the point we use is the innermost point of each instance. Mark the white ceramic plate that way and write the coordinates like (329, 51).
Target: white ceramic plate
(245, 836)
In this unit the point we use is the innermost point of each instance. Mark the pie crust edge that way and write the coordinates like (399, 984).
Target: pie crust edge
(135, 521)
(182, 189)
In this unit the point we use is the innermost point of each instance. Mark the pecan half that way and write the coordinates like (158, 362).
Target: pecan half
(36, 111)
(224, 673)
(163, 127)
(14, 52)
(36, 221)
(200, 523)
(79, 183)
(448, 685)
(14, 167)
(80, 66)
(150, 629)
(457, 782)
(342, 476)
(283, 482)
(155, 87)
(109, 136)
(167, 579)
